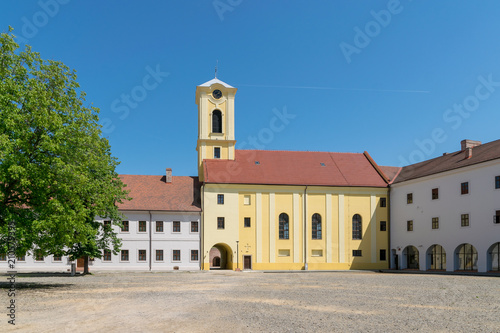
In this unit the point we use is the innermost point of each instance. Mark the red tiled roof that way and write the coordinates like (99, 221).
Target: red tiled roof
(152, 193)
(294, 168)
(482, 153)
(390, 171)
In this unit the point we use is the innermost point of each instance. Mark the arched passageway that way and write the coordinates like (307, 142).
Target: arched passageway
(436, 258)
(221, 256)
(410, 261)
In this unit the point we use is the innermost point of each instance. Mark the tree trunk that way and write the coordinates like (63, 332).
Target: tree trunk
(86, 265)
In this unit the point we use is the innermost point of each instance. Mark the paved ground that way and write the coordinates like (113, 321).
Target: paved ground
(227, 301)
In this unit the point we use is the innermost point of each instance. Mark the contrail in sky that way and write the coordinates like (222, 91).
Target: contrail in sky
(334, 88)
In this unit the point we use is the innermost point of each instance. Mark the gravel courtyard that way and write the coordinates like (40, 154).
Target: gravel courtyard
(226, 301)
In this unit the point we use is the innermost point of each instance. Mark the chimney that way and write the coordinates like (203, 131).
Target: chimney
(469, 144)
(168, 179)
(468, 153)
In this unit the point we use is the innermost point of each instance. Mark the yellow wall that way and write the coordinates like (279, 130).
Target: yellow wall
(261, 240)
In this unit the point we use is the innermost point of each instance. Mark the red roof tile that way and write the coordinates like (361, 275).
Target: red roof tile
(390, 171)
(483, 153)
(152, 193)
(294, 168)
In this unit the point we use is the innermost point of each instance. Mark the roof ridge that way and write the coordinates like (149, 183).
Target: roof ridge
(299, 151)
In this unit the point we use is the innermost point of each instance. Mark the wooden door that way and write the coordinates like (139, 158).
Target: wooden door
(80, 264)
(247, 262)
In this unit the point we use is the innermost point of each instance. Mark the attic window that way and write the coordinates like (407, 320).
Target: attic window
(322, 164)
(257, 162)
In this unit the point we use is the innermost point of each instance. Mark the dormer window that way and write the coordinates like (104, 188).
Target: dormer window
(257, 162)
(323, 164)
(216, 121)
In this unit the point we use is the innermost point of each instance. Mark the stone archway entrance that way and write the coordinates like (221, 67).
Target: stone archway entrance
(221, 256)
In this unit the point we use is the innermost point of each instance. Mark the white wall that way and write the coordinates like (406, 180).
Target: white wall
(481, 203)
(133, 240)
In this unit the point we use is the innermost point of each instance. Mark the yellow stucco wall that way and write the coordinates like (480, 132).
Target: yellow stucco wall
(261, 241)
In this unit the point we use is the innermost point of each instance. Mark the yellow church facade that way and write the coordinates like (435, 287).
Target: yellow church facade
(285, 210)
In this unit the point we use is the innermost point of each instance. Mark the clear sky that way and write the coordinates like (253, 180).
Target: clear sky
(404, 80)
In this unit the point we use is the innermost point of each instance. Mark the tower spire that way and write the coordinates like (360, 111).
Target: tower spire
(216, 65)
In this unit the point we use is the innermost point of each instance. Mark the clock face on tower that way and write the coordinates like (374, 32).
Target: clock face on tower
(217, 94)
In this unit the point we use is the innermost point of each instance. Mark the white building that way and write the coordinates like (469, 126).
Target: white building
(445, 212)
(161, 231)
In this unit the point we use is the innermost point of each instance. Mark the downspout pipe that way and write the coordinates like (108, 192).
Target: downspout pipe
(389, 249)
(202, 229)
(150, 240)
(305, 228)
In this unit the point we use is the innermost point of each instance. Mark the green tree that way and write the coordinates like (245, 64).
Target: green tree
(56, 170)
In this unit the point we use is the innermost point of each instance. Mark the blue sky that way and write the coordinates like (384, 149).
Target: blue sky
(404, 80)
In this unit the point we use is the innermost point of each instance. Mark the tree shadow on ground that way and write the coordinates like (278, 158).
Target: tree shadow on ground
(34, 285)
(47, 274)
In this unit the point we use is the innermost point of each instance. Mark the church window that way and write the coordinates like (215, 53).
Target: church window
(283, 226)
(216, 121)
(216, 152)
(356, 226)
(316, 226)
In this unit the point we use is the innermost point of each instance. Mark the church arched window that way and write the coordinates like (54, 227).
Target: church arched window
(216, 121)
(283, 226)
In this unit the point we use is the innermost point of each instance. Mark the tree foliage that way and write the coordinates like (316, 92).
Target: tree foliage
(56, 170)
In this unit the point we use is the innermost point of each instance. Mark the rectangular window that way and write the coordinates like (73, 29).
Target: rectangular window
(39, 255)
(142, 255)
(3, 257)
(142, 226)
(57, 258)
(194, 255)
(246, 200)
(176, 255)
(107, 225)
(383, 225)
(220, 199)
(497, 182)
(220, 223)
(216, 152)
(159, 255)
(465, 220)
(247, 222)
(464, 188)
(176, 226)
(383, 202)
(159, 226)
(409, 225)
(125, 226)
(383, 255)
(435, 193)
(284, 253)
(124, 255)
(435, 223)
(496, 218)
(194, 226)
(106, 255)
(356, 253)
(409, 198)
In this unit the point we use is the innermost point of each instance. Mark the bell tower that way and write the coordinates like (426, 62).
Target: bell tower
(215, 100)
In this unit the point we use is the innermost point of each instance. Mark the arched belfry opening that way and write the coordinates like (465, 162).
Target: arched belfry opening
(216, 121)
(221, 256)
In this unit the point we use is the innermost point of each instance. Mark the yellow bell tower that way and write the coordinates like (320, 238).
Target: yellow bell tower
(215, 100)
